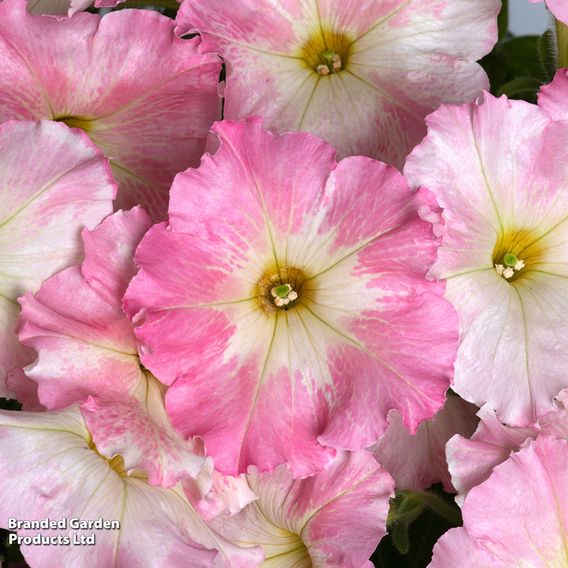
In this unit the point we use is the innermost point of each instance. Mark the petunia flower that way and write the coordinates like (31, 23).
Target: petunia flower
(472, 460)
(63, 474)
(362, 75)
(286, 304)
(418, 461)
(517, 518)
(334, 519)
(53, 182)
(497, 167)
(144, 96)
(87, 352)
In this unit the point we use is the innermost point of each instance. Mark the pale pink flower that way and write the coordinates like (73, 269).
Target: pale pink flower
(518, 518)
(498, 169)
(553, 98)
(361, 74)
(286, 302)
(63, 474)
(418, 461)
(334, 519)
(144, 96)
(53, 182)
(472, 460)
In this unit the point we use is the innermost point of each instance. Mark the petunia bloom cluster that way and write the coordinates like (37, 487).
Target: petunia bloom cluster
(232, 330)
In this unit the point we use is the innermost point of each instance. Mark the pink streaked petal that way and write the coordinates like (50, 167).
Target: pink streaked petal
(552, 97)
(85, 343)
(138, 429)
(85, 346)
(416, 462)
(60, 476)
(150, 114)
(404, 60)
(518, 516)
(333, 519)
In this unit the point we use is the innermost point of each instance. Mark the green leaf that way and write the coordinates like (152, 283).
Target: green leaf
(526, 86)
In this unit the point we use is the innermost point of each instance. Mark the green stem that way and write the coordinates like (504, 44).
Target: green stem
(562, 43)
(441, 508)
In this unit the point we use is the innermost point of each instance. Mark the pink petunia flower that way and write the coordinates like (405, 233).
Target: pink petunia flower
(286, 302)
(472, 460)
(418, 461)
(63, 474)
(53, 182)
(334, 519)
(361, 74)
(144, 96)
(497, 167)
(518, 518)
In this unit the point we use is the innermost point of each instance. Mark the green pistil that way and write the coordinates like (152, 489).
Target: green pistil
(510, 260)
(283, 290)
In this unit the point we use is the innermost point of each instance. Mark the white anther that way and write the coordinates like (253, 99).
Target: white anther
(336, 62)
(520, 264)
(322, 69)
(508, 272)
(292, 296)
(499, 269)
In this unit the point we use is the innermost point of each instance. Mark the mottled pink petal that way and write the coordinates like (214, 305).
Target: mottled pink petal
(497, 167)
(87, 352)
(334, 519)
(141, 433)
(264, 386)
(398, 61)
(518, 518)
(61, 475)
(54, 182)
(144, 96)
(416, 462)
(552, 98)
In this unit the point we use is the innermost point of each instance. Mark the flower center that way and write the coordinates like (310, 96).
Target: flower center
(516, 251)
(326, 52)
(75, 122)
(280, 290)
(116, 463)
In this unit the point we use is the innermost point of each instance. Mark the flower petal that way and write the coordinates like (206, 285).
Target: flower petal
(144, 96)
